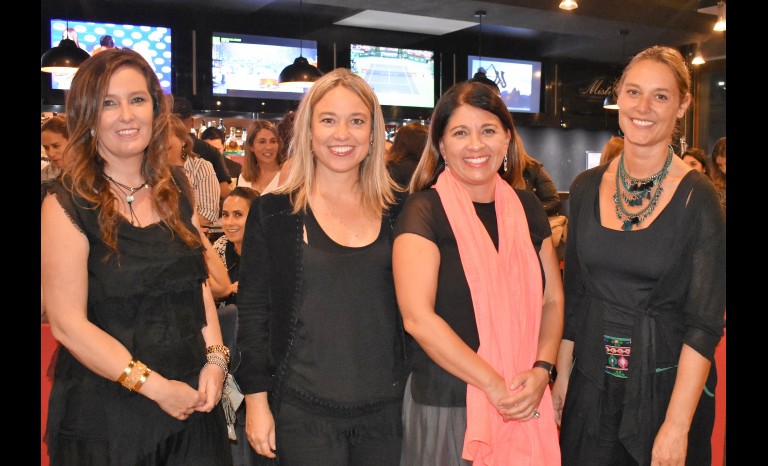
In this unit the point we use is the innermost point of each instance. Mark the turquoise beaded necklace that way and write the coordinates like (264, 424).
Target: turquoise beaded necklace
(636, 190)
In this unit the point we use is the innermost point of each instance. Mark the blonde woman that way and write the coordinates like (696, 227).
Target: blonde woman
(322, 345)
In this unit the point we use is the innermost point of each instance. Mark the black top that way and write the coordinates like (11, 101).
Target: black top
(347, 354)
(424, 215)
(538, 181)
(272, 301)
(663, 285)
(149, 298)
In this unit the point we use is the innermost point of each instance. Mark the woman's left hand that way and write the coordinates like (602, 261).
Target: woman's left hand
(670, 446)
(527, 389)
(212, 384)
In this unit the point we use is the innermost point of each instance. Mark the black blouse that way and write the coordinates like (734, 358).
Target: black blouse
(423, 214)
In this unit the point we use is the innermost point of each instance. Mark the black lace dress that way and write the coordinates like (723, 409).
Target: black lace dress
(149, 298)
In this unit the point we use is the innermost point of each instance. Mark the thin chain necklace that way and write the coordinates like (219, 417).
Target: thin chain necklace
(128, 192)
(636, 190)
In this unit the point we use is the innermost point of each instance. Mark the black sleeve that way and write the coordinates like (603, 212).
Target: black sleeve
(417, 216)
(538, 223)
(546, 190)
(211, 154)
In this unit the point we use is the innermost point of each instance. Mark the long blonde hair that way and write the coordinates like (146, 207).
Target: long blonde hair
(377, 186)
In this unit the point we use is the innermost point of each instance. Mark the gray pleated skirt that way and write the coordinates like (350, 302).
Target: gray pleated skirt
(432, 435)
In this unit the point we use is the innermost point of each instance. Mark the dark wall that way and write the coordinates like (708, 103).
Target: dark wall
(571, 122)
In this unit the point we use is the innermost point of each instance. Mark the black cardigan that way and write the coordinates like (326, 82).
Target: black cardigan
(270, 292)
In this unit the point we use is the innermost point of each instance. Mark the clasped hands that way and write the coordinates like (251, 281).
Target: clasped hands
(520, 400)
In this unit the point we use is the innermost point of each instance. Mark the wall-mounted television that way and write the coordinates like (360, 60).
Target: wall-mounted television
(399, 77)
(152, 42)
(518, 80)
(244, 65)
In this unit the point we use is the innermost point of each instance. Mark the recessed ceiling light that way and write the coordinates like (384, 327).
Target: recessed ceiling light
(405, 23)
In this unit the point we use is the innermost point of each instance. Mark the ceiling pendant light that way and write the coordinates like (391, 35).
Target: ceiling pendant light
(720, 24)
(610, 102)
(299, 75)
(65, 57)
(568, 5)
(480, 76)
(698, 59)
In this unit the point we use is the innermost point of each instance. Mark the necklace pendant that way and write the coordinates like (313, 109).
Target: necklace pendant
(627, 225)
(129, 198)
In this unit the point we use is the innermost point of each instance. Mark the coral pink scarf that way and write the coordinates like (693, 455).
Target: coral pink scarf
(506, 290)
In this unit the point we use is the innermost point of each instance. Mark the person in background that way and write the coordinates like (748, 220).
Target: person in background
(696, 158)
(479, 289)
(285, 130)
(141, 368)
(717, 169)
(535, 179)
(644, 288)
(612, 149)
(228, 248)
(216, 137)
(322, 346)
(71, 34)
(263, 156)
(402, 158)
(182, 108)
(53, 137)
(200, 172)
(106, 42)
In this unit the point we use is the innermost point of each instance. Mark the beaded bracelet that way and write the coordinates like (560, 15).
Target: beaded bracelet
(217, 361)
(218, 349)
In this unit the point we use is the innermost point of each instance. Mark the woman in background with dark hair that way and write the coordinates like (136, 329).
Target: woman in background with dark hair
(717, 169)
(478, 285)
(54, 138)
(404, 155)
(141, 369)
(535, 179)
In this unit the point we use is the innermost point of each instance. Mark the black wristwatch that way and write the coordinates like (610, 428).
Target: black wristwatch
(549, 367)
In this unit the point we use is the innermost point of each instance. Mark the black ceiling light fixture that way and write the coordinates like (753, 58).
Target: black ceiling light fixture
(480, 76)
(300, 74)
(65, 57)
(610, 101)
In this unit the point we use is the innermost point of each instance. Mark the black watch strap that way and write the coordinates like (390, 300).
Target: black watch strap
(547, 366)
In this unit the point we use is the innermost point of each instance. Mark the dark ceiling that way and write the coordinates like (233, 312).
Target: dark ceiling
(590, 32)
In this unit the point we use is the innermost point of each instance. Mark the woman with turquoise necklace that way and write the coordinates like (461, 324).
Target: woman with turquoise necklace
(644, 289)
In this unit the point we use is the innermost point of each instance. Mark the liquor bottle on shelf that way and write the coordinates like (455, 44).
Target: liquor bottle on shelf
(202, 128)
(243, 139)
(232, 144)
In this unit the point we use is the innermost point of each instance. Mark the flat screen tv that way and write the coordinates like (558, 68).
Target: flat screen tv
(244, 65)
(399, 77)
(518, 80)
(152, 42)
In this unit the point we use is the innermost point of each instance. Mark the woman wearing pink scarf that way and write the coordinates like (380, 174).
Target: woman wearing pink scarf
(480, 291)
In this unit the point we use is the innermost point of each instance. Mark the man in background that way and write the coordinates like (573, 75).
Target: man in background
(182, 108)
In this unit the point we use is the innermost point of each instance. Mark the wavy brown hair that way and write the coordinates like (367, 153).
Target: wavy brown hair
(84, 176)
